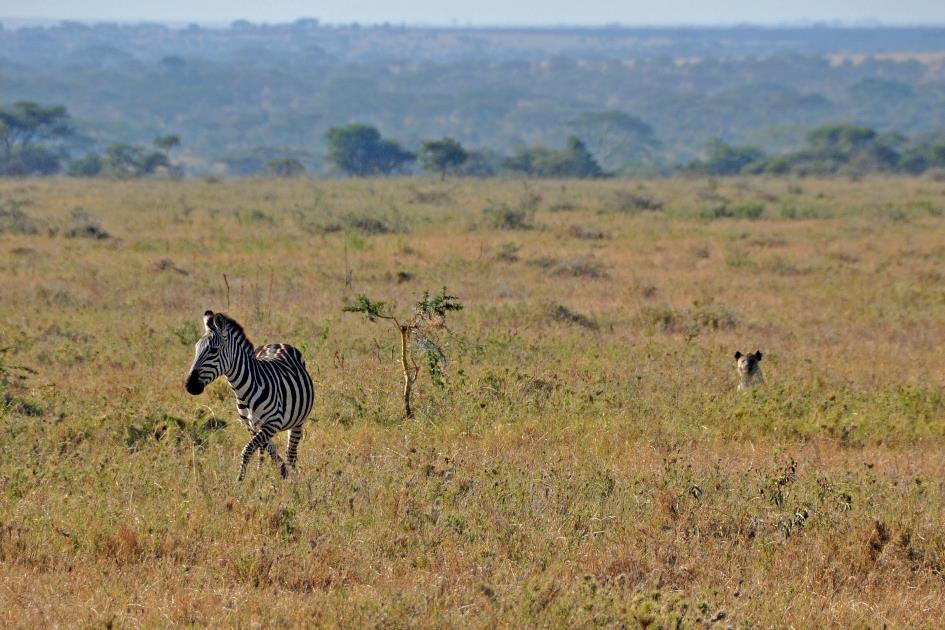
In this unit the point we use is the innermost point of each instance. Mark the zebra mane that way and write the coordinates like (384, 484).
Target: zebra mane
(225, 320)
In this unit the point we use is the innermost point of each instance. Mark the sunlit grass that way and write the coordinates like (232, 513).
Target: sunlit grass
(588, 463)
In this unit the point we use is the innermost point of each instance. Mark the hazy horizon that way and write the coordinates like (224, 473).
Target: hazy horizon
(489, 13)
(25, 22)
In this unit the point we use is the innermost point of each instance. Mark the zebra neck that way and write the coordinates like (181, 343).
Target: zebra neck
(241, 369)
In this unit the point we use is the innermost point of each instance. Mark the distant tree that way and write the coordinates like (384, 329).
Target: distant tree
(924, 155)
(480, 163)
(285, 167)
(88, 166)
(726, 159)
(125, 160)
(576, 161)
(528, 160)
(441, 156)
(840, 140)
(615, 138)
(167, 143)
(27, 131)
(881, 154)
(359, 150)
(172, 63)
(305, 24)
(539, 161)
(256, 160)
(847, 150)
(34, 159)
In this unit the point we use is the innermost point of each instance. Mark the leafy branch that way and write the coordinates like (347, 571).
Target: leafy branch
(422, 328)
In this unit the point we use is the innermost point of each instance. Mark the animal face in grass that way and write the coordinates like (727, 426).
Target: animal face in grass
(749, 369)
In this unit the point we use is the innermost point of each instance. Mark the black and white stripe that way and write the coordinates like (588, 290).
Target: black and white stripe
(274, 391)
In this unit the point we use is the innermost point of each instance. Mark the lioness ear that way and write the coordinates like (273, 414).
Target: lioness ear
(738, 355)
(758, 355)
(207, 319)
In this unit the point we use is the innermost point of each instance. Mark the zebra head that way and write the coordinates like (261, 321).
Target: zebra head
(209, 353)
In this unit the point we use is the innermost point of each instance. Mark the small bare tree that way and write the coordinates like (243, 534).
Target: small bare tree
(422, 329)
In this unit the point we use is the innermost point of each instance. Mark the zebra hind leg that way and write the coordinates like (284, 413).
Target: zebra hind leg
(262, 455)
(276, 459)
(259, 441)
(292, 454)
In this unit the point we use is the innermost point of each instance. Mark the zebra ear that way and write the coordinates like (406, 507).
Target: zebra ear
(207, 321)
(217, 324)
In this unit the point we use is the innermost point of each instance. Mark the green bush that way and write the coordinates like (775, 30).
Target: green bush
(504, 217)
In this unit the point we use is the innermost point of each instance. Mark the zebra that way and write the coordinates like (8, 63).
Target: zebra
(274, 391)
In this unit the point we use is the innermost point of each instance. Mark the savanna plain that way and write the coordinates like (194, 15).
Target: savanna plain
(587, 461)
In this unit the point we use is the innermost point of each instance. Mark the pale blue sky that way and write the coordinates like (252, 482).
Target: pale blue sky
(488, 12)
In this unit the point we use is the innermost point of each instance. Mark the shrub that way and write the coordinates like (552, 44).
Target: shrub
(562, 206)
(633, 202)
(254, 215)
(722, 210)
(88, 166)
(795, 211)
(748, 210)
(14, 220)
(366, 224)
(504, 217)
(586, 233)
(561, 313)
(418, 333)
(738, 258)
(579, 267)
(84, 225)
(432, 197)
(508, 252)
(690, 321)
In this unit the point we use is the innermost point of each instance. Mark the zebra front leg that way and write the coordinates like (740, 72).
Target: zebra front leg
(260, 440)
(246, 415)
(292, 454)
(262, 451)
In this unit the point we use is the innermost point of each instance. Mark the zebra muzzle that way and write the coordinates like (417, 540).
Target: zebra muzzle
(194, 386)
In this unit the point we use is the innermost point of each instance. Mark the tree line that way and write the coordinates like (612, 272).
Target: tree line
(250, 94)
(38, 140)
(842, 149)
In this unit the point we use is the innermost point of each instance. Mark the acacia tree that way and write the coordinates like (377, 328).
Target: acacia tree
(285, 167)
(360, 150)
(419, 331)
(440, 156)
(125, 160)
(167, 143)
(539, 161)
(25, 130)
(615, 138)
(726, 159)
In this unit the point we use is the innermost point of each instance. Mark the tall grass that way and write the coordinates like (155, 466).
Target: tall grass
(587, 462)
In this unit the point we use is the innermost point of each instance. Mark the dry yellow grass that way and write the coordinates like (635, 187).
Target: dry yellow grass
(595, 471)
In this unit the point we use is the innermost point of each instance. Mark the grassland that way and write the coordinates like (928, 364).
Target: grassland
(589, 462)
